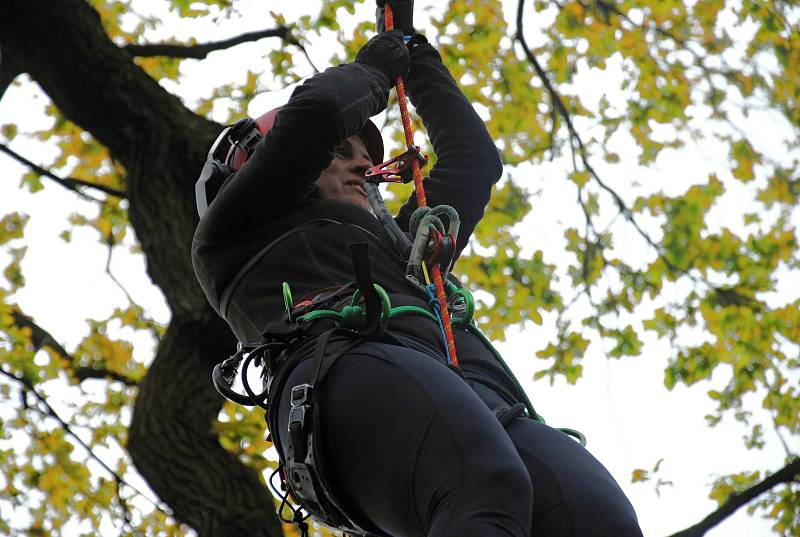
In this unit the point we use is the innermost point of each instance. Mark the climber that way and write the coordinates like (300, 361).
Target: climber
(378, 433)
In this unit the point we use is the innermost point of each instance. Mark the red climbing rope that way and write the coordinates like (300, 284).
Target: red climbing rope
(436, 272)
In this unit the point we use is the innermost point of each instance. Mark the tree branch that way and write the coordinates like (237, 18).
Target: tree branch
(201, 50)
(50, 411)
(41, 338)
(8, 72)
(110, 245)
(69, 183)
(574, 137)
(790, 472)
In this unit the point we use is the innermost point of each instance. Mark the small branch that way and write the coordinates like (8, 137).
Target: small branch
(50, 411)
(786, 448)
(574, 137)
(41, 337)
(69, 183)
(83, 373)
(151, 328)
(111, 274)
(295, 42)
(558, 104)
(551, 136)
(200, 51)
(790, 472)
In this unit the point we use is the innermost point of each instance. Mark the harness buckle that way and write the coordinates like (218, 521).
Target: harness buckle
(301, 402)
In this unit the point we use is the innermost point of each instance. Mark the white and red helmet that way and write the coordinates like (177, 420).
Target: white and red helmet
(236, 143)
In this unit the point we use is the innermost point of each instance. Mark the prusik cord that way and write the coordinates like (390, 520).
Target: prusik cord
(436, 272)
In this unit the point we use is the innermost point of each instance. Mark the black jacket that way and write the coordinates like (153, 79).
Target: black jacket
(269, 197)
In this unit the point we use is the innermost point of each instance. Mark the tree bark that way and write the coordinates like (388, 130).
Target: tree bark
(61, 44)
(204, 484)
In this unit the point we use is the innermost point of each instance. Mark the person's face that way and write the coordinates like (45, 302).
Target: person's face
(343, 179)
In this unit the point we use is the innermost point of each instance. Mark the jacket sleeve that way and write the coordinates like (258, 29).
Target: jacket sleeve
(467, 161)
(323, 111)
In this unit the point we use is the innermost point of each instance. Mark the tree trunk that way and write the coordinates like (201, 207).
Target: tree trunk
(182, 459)
(61, 44)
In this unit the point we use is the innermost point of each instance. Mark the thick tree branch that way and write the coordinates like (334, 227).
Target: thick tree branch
(201, 50)
(42, 338)
(171, 443)
(790, 472)
(70, 183)
(8, 72)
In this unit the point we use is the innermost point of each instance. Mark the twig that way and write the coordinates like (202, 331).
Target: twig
(790, 472)
(30, 388)
(295, 42)
(110, 274)
(200, 51)
(69, 183)
(41, 337)
(785, 444)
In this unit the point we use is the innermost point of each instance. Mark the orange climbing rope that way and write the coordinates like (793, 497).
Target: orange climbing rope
(436, 272)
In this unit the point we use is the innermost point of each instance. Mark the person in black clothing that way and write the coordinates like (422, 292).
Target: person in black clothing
(408, 446)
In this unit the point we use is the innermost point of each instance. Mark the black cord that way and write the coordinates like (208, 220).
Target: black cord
(225, 373)
(258, 399)
(223, 387)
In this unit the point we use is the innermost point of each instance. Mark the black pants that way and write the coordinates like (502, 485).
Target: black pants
(416, 450)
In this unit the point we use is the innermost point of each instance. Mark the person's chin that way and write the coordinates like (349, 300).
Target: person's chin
(358, 199)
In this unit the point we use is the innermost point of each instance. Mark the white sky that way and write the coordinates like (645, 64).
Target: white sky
(622, 406)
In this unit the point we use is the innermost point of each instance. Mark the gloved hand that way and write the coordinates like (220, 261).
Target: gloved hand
(387, 52)
(403, 11)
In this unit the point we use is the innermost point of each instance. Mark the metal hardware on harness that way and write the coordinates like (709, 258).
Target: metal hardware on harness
(432, 244)
(401, 172)
(301, 404)
(244, 134)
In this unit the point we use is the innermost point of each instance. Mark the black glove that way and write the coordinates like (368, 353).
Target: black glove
(387, 52)
(403, 11)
